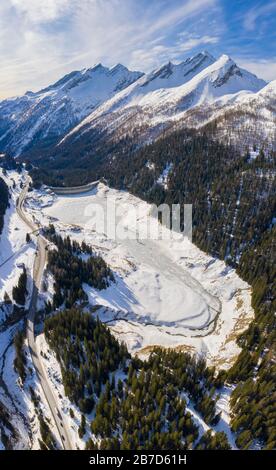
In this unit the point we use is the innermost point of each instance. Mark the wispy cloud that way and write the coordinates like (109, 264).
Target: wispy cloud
(37, 11)
(262, 68)
(253, 15)
(42, 39)
(152, 56)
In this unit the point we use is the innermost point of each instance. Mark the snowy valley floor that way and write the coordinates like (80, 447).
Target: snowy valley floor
(166, 292)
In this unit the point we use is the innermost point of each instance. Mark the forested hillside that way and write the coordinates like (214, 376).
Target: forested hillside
(70, 270)
(234, 207)
(137, 404)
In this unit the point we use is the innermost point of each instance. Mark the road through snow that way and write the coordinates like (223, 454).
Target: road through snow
(39, 264)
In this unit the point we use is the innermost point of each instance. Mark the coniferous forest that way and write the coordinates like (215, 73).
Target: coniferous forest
(100, 377)
(234, 207)
(136, 404)
(4, 201)
(71, 270)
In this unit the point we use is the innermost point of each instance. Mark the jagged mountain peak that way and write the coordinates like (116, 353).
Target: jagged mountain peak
(170, 91)
(95, 96)
(164, 71)
(203, 55)
(201, 75)
(52, 111)
(99, 68)
(75, 78)
(59, 83)
(206, 53)
(171, 75)
(227, 69)
(119, 68)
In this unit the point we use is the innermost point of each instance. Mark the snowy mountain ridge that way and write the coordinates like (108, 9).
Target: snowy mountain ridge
(50, 112)
(169, 93)
(114, 101)
(246, 119)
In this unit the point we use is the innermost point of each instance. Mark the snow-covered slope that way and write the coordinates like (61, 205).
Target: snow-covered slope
(172, 75)
(19, 424)
(168, 93)
(51, 112)
(248, 119)
(114, 102)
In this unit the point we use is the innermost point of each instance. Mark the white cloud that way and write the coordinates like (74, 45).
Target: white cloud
(40, 11)
(256, 13)
(174, 16)
(265, 69)
(152, 56)
(40, 40)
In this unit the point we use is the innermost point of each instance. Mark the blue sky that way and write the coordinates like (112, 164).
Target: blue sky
(41, 40)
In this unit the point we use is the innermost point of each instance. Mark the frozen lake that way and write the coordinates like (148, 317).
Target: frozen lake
(167, 292)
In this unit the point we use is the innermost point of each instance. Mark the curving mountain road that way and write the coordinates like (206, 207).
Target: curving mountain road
(39, 264)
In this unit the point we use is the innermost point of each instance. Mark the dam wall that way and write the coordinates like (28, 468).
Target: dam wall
(63, 190)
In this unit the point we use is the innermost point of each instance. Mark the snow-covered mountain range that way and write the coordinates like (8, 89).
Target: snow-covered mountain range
(50, 112)
(117, 102)
(173, 89)
(191, 93)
